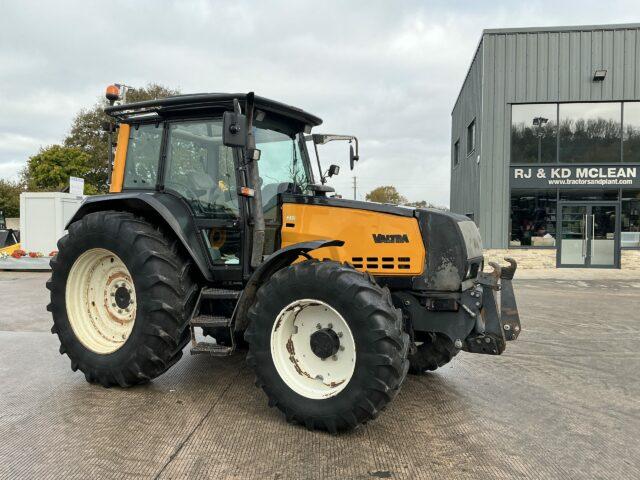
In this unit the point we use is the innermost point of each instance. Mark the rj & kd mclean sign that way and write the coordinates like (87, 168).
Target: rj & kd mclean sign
(579, 176)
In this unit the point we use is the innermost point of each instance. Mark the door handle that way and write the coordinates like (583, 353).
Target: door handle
(593, 227)
(584, 237)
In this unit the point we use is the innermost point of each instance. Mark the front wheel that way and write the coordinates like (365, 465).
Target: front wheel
(434, 352)
(326, 344)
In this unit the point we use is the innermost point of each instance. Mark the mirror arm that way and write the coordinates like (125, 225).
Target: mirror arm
(323, 180)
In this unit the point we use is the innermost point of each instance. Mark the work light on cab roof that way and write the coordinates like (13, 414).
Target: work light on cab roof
(113, 93)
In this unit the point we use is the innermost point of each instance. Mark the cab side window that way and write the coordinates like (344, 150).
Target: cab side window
(201, 169)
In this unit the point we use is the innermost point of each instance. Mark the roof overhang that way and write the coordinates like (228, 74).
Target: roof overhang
(204, 103)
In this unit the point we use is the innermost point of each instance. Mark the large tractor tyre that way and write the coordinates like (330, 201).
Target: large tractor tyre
(326, 344)
(436, 351)
(121, 297)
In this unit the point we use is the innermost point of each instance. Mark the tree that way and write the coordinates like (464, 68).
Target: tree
(386, 194)
(50, 169)
(87, 133)
(10, 197)
(425, 204)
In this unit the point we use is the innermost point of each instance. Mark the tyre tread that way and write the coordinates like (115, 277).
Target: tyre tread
(164, 272)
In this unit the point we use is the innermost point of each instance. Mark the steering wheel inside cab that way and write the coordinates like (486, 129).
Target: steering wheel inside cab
(205, 194)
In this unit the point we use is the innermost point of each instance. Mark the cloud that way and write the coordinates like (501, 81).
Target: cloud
(388, 72)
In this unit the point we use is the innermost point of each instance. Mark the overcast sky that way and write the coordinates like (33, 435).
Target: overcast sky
(388, 72)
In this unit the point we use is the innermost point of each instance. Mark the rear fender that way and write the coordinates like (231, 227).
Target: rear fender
(166, 210)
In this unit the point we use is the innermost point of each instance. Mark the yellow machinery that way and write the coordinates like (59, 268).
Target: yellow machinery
(217, 227)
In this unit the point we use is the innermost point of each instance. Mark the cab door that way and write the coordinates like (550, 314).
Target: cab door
(202, 171)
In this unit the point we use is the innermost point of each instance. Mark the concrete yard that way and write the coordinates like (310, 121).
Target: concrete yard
(562, 402)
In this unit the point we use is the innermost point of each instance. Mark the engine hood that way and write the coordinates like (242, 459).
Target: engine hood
(452, 243)
(453, 249)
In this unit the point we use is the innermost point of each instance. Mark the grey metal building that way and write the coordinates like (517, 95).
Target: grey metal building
(545, 147)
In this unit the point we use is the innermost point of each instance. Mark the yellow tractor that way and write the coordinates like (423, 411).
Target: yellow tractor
(216, 233)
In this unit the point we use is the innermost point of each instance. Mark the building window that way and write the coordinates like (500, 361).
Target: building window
(534, 133)
(630, 214)
(631, 136)
(533, 218)
(590, 132)
(471, 137)
(456, 153)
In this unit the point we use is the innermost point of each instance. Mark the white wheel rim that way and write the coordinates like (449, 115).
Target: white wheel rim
(101, 301)
(301, 369)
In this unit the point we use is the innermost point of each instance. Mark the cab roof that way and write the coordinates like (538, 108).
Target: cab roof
(203, 103)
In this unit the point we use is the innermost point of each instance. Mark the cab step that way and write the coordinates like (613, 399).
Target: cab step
(212, 349)
(220, 294)
(210, 321)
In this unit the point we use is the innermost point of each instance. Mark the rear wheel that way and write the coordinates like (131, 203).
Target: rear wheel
(326, 344)
(121, 296)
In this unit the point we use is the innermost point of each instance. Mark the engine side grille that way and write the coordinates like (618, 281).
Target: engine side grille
(381, 264)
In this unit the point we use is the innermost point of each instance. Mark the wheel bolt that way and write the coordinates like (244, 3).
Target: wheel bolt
(335, 357)
(113, 294)
(318, 326)
(330, 325)
(119, 311)
(113, 304)
(340, 334)
(341, 348)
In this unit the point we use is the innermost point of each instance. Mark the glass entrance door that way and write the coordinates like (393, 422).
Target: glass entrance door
(588, 235)
(573, 235)
(602, 236)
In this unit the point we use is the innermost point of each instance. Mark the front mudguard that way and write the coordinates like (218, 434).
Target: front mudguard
(276, 261)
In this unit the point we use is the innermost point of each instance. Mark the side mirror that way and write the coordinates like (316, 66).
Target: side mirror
(234, 129)
(333, 170)
(353, 158)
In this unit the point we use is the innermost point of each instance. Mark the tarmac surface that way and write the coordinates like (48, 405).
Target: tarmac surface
(562, 402)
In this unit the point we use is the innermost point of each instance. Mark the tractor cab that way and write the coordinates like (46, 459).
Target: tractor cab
(194, 148)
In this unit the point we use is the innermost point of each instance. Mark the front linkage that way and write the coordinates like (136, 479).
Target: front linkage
(493, 327)
(470, 319)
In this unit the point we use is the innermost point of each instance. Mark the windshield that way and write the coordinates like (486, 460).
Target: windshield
(281, 161)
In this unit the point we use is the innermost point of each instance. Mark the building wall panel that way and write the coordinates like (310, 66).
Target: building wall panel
(530, 66)
(465, 182)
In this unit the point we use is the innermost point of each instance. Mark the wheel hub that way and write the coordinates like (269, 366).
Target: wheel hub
(313, 349)
(324, 343)
(101, 300)
(123, 297)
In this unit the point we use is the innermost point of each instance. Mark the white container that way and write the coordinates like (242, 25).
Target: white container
(43, 216)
